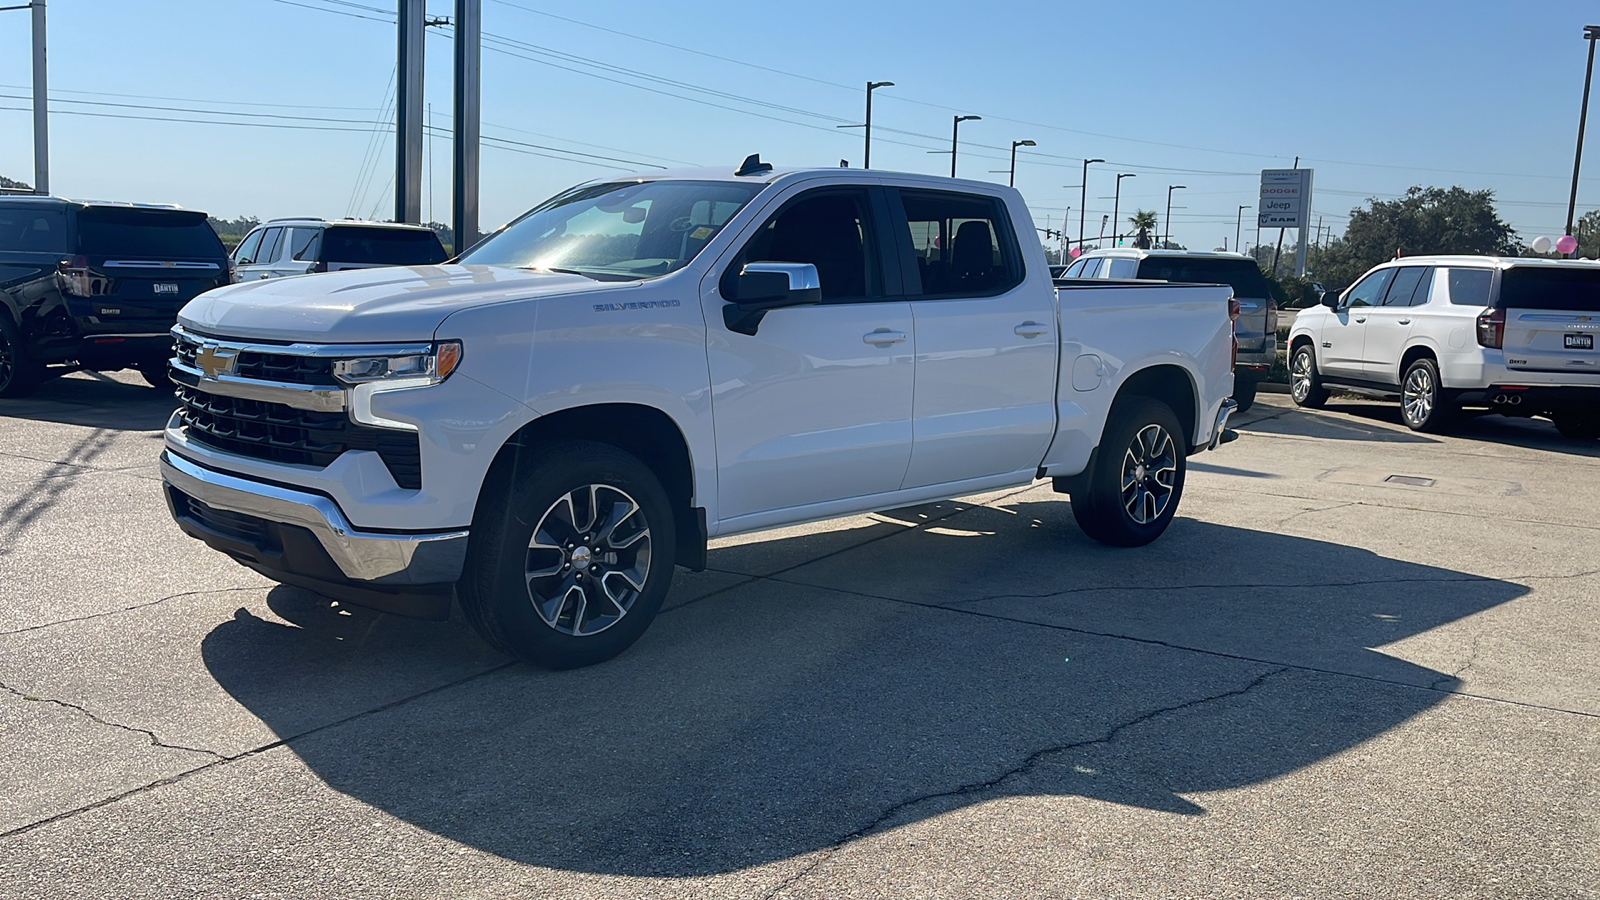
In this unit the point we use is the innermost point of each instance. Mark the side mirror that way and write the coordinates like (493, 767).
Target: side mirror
(1330, 299)
(244, 261)
(763, 286)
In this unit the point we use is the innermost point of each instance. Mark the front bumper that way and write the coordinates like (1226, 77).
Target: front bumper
(304, 538)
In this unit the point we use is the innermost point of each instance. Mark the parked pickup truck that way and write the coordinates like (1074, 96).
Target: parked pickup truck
(545, 428)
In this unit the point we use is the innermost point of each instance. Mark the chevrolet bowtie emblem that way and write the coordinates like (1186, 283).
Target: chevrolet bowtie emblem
(214, 361)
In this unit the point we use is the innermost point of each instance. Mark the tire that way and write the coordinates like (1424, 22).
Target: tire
(1582, 426)
(1305, 384)
(540, 536)
(19, 374)
(1424, 404)
(154, 373)
(1244, 392)
(1143, 442)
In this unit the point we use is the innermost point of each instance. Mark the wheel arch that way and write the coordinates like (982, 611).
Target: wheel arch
(1413, 353)
(643, 431)
(1171, 384)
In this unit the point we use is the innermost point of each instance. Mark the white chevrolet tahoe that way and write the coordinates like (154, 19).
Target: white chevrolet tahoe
(1516, 336)
(545, 428)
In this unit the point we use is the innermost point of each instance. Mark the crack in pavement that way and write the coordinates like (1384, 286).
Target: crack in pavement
(1027, 765)
(146, 605)
(1306, 512)
(1472, 657)
(155, 740)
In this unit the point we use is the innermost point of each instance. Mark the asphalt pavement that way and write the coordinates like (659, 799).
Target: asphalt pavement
(1362, 663)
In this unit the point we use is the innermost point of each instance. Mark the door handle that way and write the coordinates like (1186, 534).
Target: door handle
(1031, 329)
(1361, 318)
(1405, 321)
(883, 337)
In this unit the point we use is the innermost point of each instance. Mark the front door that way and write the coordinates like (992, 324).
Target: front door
(1389, 325)
(986, 340)
(1344, 333)
(814, 407)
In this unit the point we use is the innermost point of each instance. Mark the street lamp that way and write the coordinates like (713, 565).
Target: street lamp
(1116, 206)
(1014, 145)
(866, 152)
(955, 129)
(1083, 197)
(1591, 33)
(1238, 222)
(1168, 220)
(41, 103)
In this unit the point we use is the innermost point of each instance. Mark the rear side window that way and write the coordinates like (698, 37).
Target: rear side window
(1124, 268)
(1243, 275)
(303, 242)
(1541, 287)
(33, 230)
(381, 246)
(146, 234)
(1469, 287)
(1403, 285)
(962, 243)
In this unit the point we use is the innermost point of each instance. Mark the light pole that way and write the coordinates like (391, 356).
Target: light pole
(41, 101)
(1014, 145)
(1168, 220)
(1116, 206)
(955, 129)
(1083, 198)
(1238, 223)
(866, 151)
(1591, 33)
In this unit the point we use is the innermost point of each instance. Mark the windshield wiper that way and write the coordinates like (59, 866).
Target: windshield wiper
(589, 275)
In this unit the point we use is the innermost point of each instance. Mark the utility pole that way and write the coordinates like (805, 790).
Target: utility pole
(1591, 34)
(468, 97)
(1083, 198)
(408, 113)
(41, 105)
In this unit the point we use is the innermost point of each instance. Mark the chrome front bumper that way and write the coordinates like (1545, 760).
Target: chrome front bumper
(379, 559)
(1219, 429)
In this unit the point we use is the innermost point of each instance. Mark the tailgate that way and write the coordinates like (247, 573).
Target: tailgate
(1552, 318)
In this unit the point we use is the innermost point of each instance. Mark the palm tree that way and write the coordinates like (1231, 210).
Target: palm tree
(1143, 222)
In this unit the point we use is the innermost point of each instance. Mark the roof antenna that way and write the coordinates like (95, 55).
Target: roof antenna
(844, 163)
(752, 165)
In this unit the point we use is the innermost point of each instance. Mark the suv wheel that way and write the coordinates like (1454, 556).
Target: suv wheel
(1305, 385)
(1584, 426)
(154, 373)
(1423, 403)
(1135, 483)
(570, 556)
(19, 375)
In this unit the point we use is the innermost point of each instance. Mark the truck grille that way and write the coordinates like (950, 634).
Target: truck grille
(281, 367)
(280, 433)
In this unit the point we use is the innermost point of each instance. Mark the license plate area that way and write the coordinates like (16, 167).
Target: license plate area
(1578, 341)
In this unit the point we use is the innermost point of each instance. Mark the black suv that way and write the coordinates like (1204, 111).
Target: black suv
(97, 286)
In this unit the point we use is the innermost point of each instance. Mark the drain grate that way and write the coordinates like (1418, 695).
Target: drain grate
(1413, 480)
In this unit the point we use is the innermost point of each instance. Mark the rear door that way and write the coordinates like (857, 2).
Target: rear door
(367, 246)
(141, 265)
(1389, 325)
(1552, 318)
(985, 338)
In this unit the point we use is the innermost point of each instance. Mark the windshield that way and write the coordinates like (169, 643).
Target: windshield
(1240, 274)
(617, 231)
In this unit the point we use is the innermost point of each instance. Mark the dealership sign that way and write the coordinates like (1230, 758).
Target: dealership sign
(1285, 198)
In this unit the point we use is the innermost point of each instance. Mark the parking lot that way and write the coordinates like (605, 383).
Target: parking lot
(1322, 682)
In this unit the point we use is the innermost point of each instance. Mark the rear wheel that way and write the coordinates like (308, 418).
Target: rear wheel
(154, 373)
(1424, 405)
(1305, 385)
(1584, 426)
(570, 557)
(1134, 485)
(19, 374)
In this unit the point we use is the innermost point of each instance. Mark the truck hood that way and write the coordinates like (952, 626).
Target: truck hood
(364, 306)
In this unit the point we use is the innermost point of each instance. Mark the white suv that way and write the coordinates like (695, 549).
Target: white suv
(1516, 336)
(300, 246)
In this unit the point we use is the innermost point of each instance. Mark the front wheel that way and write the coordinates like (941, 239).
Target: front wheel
(1423, 403)
(570, 556)
(19, 375)
(1136, 480)
(1305, 385)
(1583, 426)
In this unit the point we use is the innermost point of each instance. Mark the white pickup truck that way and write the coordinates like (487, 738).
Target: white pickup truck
(545, 428)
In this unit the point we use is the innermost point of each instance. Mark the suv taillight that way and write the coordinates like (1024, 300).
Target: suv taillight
(1492, 328)
(233, 272)
(1272, 317)
(74, 274)
(1233, 309)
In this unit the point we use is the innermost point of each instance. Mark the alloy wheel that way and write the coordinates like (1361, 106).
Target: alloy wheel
(1417, 396)
(8, 359)
(1300, 376)
(1149, 468)
(588, 559)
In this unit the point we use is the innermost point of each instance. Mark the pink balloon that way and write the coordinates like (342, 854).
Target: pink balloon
(1075, 252)
(1566, 243)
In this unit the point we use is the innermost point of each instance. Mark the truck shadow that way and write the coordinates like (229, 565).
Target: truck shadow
(96, 400)
(987, 653)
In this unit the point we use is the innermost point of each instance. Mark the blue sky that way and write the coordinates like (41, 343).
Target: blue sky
(1376, 96)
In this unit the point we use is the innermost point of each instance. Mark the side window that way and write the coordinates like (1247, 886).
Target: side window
(832, 230)
(1091, 268)
(1403, 285)
(246, 251)
(1074, 270)
(1124, 268)
(1424, 288)
(270, 242)
(303, 243)
(1370, 290)
(963, 243)
(1469, 287)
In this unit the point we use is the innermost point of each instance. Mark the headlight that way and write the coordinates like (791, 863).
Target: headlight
(415, 369)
